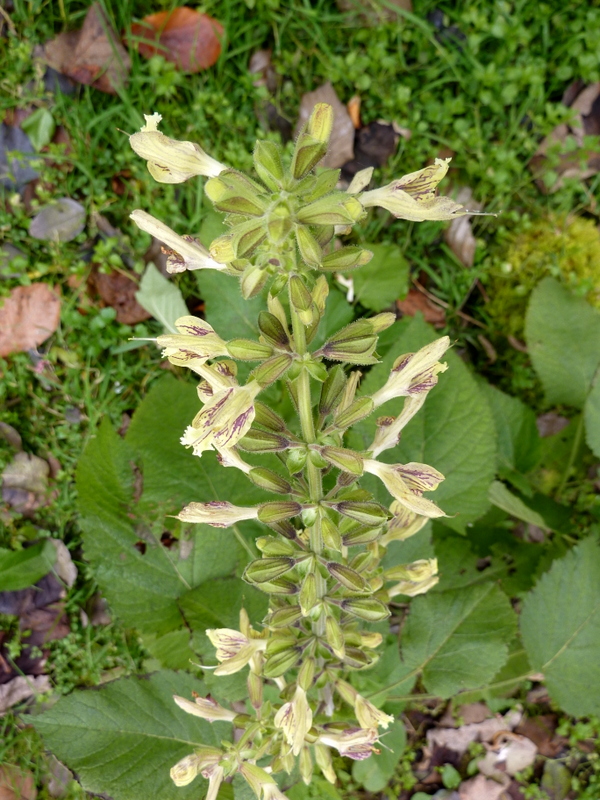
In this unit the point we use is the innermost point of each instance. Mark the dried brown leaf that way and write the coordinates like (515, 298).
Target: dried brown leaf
(341, 144)
(415, 301)
(481, 788)
(118, 291)
(93, 55)
(21, 688)
(61, 221)
(25, 483)
(16, 784)
(185, 37)
(64, 566)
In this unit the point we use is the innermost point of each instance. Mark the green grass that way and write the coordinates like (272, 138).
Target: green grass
(488, 93)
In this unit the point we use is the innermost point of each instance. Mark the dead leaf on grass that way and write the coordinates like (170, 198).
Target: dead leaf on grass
(61, 221)
(16, 152)
(458, 739)
(373, 145)
(550, 423)
(481, 788)
(93, 55)
(542, 732)
(25, 482)
(64, 566)
(22, 688)
(28, 316)
(58, 778)
(562, 154)
(416, 301)
(16, 784)
(341, 144)
(12, 435)
(187, 38)
(118, 291)
(509, 753)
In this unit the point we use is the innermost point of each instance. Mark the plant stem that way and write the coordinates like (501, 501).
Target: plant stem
(572, 455)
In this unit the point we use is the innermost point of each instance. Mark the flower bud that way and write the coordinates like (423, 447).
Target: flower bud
(317, 459)
(278, 510)
(306, 765)
(301, 299)
(366, 513)
(354, 344)
(268, 164)
(347, 577)
(272, 369)
(322, 184)
(380, 322)
(344, 459)
(257, 441)
(269, 480)
(279, 224)
(186, 770)
(316, 369)
(240, 242)
(361, 536)
(247, 350)
(255, 690)
(308, 594)
(309, 248)
(273, 331)
(278, 664)
(306, 674)
(205, 708)
(360, 181)
(361, 408)
(283, 586)
(296, 460)
(324, 762)
(170, 161)
(362, 561)
(337, 208)
(331, 535)
(371, 640)
(331, 391)
(308, 152)
(284, 617)
(273, 546)
(252, 281)
(320, 123)
(323, 234)
(268, 418)
(346, 259)
(334, 636)
(355, 658)
(367, 608)
(284, 528)
(267, 569)
(232, 192)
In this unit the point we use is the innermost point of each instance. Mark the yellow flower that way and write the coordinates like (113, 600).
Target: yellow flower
(295, 719)
(170, 161)
(218, 513)
(234, 649)
(407, 482)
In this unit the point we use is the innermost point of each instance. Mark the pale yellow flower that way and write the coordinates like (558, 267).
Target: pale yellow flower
(295, 719)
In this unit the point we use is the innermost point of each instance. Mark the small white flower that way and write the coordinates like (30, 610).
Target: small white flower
(218, 513)
(295, 719)
(186, 770)
(234, 649)
(407, 482)
(414, 373)
(355, 743)
(206, 708)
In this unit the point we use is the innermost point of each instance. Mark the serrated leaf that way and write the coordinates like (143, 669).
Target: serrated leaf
(339, 314)
(22, 568)
(374, 773)
(122, 739)
(40, 127)
(161, 298)
(514, 672)
(458, 639)
(560, 626)
(453, 432)
(384, 279)
(592, 418)
(518, 437)
(217, 604)
(563, 339)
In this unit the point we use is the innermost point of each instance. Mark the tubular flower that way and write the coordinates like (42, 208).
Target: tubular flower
(355, 743)
(224, 420)
(234, 649)
(295, 719)
(186, 770)
(416, 578)
(413, 196)
(214, 774)
(170, 161)
(414, 373)
(196, 340)
(403, 524)
(206, 708)
(367, 714)
(218, 513)
(407, 482)
(186, 252)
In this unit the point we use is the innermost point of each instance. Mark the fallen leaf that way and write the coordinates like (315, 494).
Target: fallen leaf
(93, 55)
(480, 788)
(341, 144)
(509, 754)
(22, 688)
(58, 777)
(562, 154)
(61, 221)
(16, 153)
(185, 37)
(459, 234)
(12, 435)
(64, 566)
(415, 302)
(458, 739)
(28, 316)
(261, 65)
(25, 483)
(353, 106)
(161, 298)
(16, 784)
(373, 145)
(551, 423)
(473, 713)
(374, 12)
(541, 731)
(118, 291)
(8, 253)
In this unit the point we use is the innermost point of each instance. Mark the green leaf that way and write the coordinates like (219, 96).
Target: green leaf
(384, 279)
(212, 227)
(503, 498)
(560, 626)
(339, 314)
(40, 127)
(374, 773)
(518, 436)
(514, 672)
(389, 676)
(458, 639)
(122, 739)
(562, 333)
(453, 432)
(161, 298)
(22, 568)
(458, 564)
(592, 418)
(217, 604)
(226, 310)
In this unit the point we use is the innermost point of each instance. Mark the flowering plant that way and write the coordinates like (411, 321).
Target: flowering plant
(325, 535)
